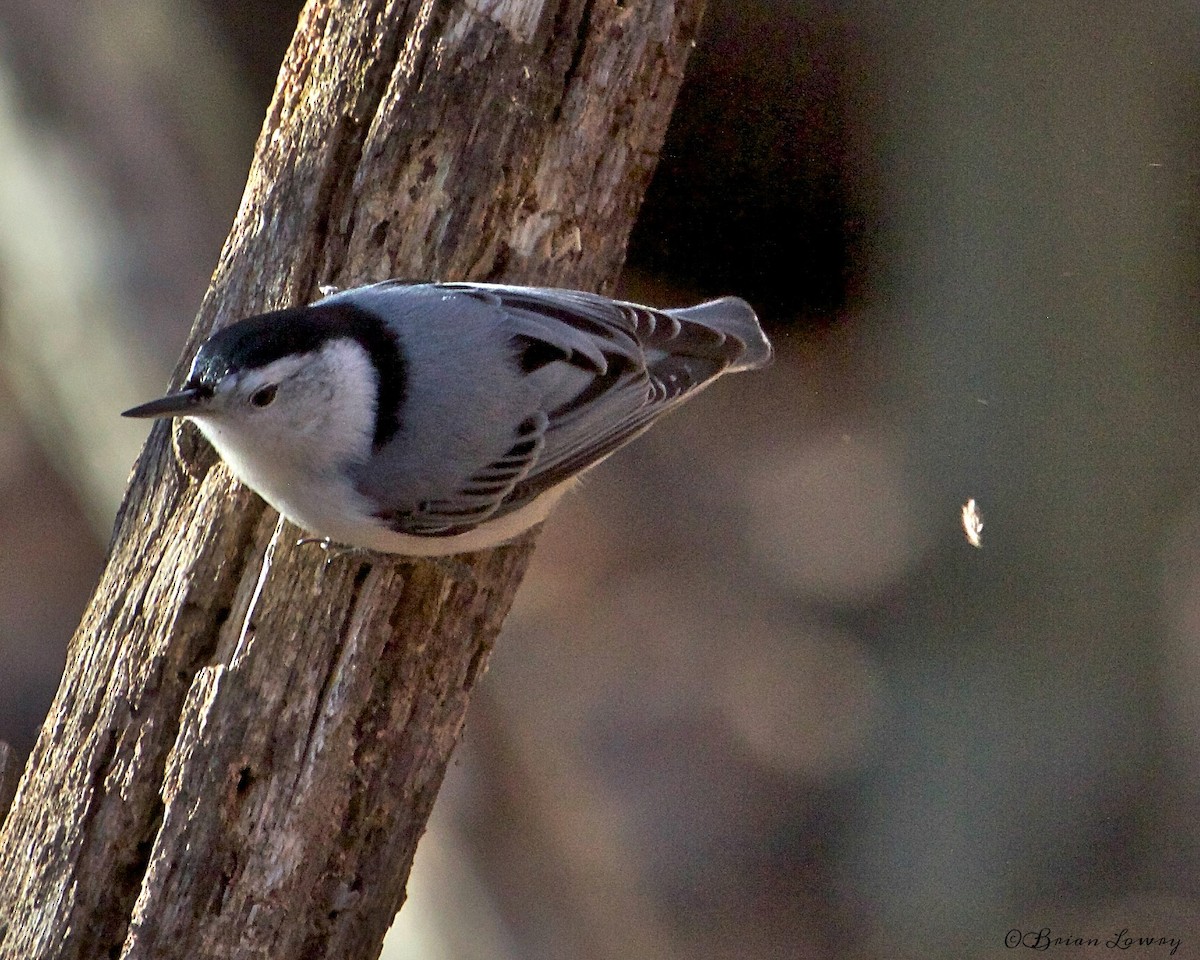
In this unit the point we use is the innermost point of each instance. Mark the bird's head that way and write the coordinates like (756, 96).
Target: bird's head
(298, 387)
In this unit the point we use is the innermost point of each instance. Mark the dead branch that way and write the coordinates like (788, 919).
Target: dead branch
(247, 740)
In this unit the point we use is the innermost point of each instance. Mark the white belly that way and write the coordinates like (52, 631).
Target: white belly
(373, 535)
(326, 505)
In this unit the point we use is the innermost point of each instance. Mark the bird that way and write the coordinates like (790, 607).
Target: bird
(428, 419)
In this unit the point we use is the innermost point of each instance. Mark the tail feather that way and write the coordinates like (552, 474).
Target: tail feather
(734, 318)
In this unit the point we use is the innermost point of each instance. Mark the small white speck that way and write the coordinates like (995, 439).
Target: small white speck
(972, 521)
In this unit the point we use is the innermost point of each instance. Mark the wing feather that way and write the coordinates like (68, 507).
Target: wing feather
(481, 496)
(610, 368)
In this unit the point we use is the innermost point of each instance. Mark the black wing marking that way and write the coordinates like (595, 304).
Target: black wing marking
(643, 362)
(481, 496)
(574, 452)
(586, 329)
(635, 364)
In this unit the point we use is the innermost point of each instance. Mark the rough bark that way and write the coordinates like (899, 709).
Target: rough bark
(248, 738)
(10, 774)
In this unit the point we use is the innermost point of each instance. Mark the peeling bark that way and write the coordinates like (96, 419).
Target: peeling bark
(248, 738)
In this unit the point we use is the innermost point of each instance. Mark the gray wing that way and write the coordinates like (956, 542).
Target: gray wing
(481, 497)
(610, 368)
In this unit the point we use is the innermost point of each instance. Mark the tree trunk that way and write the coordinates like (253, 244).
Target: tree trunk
(248, 736)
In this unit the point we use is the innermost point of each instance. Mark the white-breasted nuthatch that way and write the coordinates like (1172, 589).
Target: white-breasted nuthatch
(437, 418)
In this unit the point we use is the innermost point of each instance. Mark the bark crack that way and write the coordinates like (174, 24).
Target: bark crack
(582, 33)
(337, 199)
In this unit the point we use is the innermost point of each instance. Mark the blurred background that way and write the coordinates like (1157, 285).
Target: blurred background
(759, 697)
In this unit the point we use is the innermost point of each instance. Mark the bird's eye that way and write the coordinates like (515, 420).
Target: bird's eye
(264, 396)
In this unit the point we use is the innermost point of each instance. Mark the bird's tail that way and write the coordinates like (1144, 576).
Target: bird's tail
(746, 346)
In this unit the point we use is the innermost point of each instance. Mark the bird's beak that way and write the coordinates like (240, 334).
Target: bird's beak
(181, 404)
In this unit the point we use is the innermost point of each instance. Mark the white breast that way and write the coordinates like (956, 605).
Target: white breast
(295, 453)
